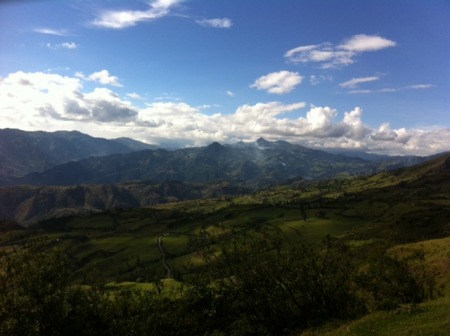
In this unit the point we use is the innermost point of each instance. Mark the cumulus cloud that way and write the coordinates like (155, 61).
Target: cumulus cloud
(384, 133)
(354, 82)
(216, 23)
(45, 101)
(42, 99)
(335, 56)
(104, 77)
(105, 106)
(364, 43)
(281, 82)
(126, 18)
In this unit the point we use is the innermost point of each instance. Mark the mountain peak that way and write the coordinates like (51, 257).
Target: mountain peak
(214, 148)
(215, 145)
(263, 142)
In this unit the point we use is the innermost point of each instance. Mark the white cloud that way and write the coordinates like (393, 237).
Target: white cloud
(69, 45)
(134, 95)
(207, 106)
(44, 101)
(384, 133)
(80, 74)
(64, 45)
(354, 82)
(103, 77)
(127, 18)
(331, 56)
(324, 53)
(50, 31)
(419, 86)
(281, 82)
(318, 79)
(230, 93)
(360, 91)
(387, 90)
(41, 100)
(355, 127)
(300, 50)
(216, 23)
(364, 43)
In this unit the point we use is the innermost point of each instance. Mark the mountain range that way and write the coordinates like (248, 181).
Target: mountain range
(24, 152)
(52, 174)
(73, 158)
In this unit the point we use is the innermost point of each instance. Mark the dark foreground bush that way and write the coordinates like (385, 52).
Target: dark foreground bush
(260, 287)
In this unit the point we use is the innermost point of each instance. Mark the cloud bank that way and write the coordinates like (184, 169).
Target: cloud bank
(43, 101)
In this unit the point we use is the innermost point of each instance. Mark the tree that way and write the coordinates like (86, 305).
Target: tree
(33, 283)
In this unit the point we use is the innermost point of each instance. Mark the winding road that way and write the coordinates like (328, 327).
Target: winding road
(163, 254)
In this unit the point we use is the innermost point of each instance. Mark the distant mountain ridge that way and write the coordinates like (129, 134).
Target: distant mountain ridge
(253, 164)
(256, 164)
(71, 158)
(24, 152)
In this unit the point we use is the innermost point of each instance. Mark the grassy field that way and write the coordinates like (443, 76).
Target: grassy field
(429, 318)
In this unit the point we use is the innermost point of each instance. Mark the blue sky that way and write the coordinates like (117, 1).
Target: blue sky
(371, 75)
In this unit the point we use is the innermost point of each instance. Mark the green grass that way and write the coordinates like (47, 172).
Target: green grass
(437, 255)
(429, 318)
(175, 245)
(316, 228)
(167, 285)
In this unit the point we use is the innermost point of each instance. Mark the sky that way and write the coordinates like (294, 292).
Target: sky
(369, 75)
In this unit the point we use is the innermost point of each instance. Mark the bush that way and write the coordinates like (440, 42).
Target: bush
(271, 288)
(387, 281)
(260, 287)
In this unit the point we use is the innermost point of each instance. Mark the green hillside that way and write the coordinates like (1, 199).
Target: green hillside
(286, 259)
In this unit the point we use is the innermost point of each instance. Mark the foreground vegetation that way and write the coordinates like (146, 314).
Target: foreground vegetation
(260, 287)
(291, 259)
